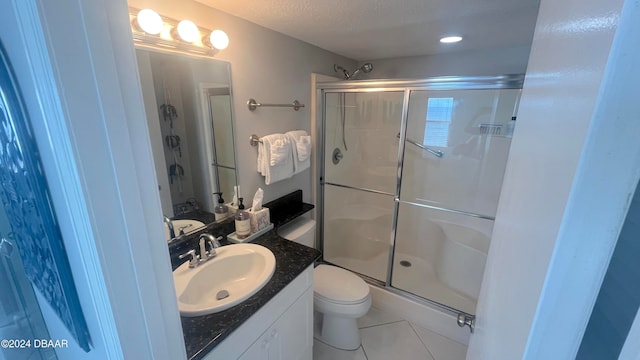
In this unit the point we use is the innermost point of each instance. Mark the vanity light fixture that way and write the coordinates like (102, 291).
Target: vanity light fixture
(150, 29)
(219, 39)
(451, 39)
(149, 21)
(188, 31)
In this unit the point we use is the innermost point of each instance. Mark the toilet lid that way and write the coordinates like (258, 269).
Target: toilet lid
(338, 285)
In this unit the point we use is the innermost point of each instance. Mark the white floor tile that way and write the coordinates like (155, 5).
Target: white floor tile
(442, 348)
(322, 351)
(393, 341)
(376, 317)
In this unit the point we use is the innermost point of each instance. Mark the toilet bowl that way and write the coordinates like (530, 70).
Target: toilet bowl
(339, 296)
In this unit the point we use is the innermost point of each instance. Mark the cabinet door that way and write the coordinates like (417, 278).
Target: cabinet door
(290, 337)
(259, 349)
(294, 331)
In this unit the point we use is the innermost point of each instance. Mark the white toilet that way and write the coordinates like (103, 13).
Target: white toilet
(339, 297)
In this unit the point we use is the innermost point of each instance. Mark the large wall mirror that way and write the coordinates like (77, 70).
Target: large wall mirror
(190, 118)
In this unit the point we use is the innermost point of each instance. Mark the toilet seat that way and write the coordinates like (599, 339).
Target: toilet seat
(338, 286)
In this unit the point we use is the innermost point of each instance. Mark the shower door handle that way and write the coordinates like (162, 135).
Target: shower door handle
(437, 153)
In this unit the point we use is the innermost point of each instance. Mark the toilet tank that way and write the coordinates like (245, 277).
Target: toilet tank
(301, 230)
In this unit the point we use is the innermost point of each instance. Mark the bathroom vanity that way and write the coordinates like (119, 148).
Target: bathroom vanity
(274, 323)
(282, 329)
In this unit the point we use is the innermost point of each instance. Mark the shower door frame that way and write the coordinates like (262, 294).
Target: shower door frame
(500, 82)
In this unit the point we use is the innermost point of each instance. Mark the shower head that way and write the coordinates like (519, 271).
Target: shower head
(365, 68)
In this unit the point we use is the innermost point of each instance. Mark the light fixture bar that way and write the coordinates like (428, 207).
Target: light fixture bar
(168, 38)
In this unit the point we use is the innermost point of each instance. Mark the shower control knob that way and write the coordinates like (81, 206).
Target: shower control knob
(337, 156)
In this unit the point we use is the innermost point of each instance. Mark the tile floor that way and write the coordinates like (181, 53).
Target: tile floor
(385, 336)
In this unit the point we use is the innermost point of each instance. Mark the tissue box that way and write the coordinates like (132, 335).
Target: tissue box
(259, 219)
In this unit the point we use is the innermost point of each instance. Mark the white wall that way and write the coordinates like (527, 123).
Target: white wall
(519, 314)
(269, 67)
(511, 60)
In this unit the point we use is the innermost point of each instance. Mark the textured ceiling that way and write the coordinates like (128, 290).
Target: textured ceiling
(379, 29)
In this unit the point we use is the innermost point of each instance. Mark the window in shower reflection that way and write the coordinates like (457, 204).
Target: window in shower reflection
(436, 129)
(466, 126)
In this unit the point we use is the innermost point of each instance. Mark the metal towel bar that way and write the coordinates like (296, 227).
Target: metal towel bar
(252, 104)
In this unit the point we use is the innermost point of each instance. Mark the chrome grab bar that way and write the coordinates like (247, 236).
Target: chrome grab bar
(437, 153)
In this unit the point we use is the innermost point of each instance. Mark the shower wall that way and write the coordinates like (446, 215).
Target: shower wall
(363, 126)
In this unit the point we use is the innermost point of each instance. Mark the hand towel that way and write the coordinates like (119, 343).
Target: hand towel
(280, 169)
(280, 149)
(301, 150)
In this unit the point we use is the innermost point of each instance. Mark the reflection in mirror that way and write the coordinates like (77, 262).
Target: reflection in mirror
(189, 114)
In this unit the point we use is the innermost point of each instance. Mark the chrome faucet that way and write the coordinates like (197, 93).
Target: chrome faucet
(172, 231)
(205, 239)
(195, 259)
(213, 243)
(181, 229)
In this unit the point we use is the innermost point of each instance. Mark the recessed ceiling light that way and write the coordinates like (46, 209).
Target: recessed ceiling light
(450, 39)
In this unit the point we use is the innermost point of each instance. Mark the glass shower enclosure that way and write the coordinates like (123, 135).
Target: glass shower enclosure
(411, 176)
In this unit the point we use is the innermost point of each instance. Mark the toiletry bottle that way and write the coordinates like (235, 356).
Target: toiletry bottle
(243, 225)
(221, 210)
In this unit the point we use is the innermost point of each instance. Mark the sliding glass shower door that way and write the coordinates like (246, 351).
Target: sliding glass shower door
(360, 181)
(412, 174)
(456, 149)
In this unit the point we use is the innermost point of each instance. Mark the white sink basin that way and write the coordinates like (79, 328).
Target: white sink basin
(191, 226)
(236, 273)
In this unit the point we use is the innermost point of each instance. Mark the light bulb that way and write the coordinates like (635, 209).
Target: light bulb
(450, 39)
(219, 39)
(188, 31)
(149, 21)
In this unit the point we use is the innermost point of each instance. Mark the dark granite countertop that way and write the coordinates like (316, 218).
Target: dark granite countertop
(287, 208)
(203, 333)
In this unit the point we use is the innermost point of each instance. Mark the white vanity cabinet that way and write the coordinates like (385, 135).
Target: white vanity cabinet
(291, 337)
(281, 330)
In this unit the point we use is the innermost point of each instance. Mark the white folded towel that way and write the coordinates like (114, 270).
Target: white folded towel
(301, 150)
(279, 153)
(276, 146)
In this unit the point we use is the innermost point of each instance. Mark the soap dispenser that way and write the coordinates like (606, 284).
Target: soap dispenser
(243, 224)
(221, 210)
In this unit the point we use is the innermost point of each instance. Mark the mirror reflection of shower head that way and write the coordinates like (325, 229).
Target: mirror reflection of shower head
(365, 68)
